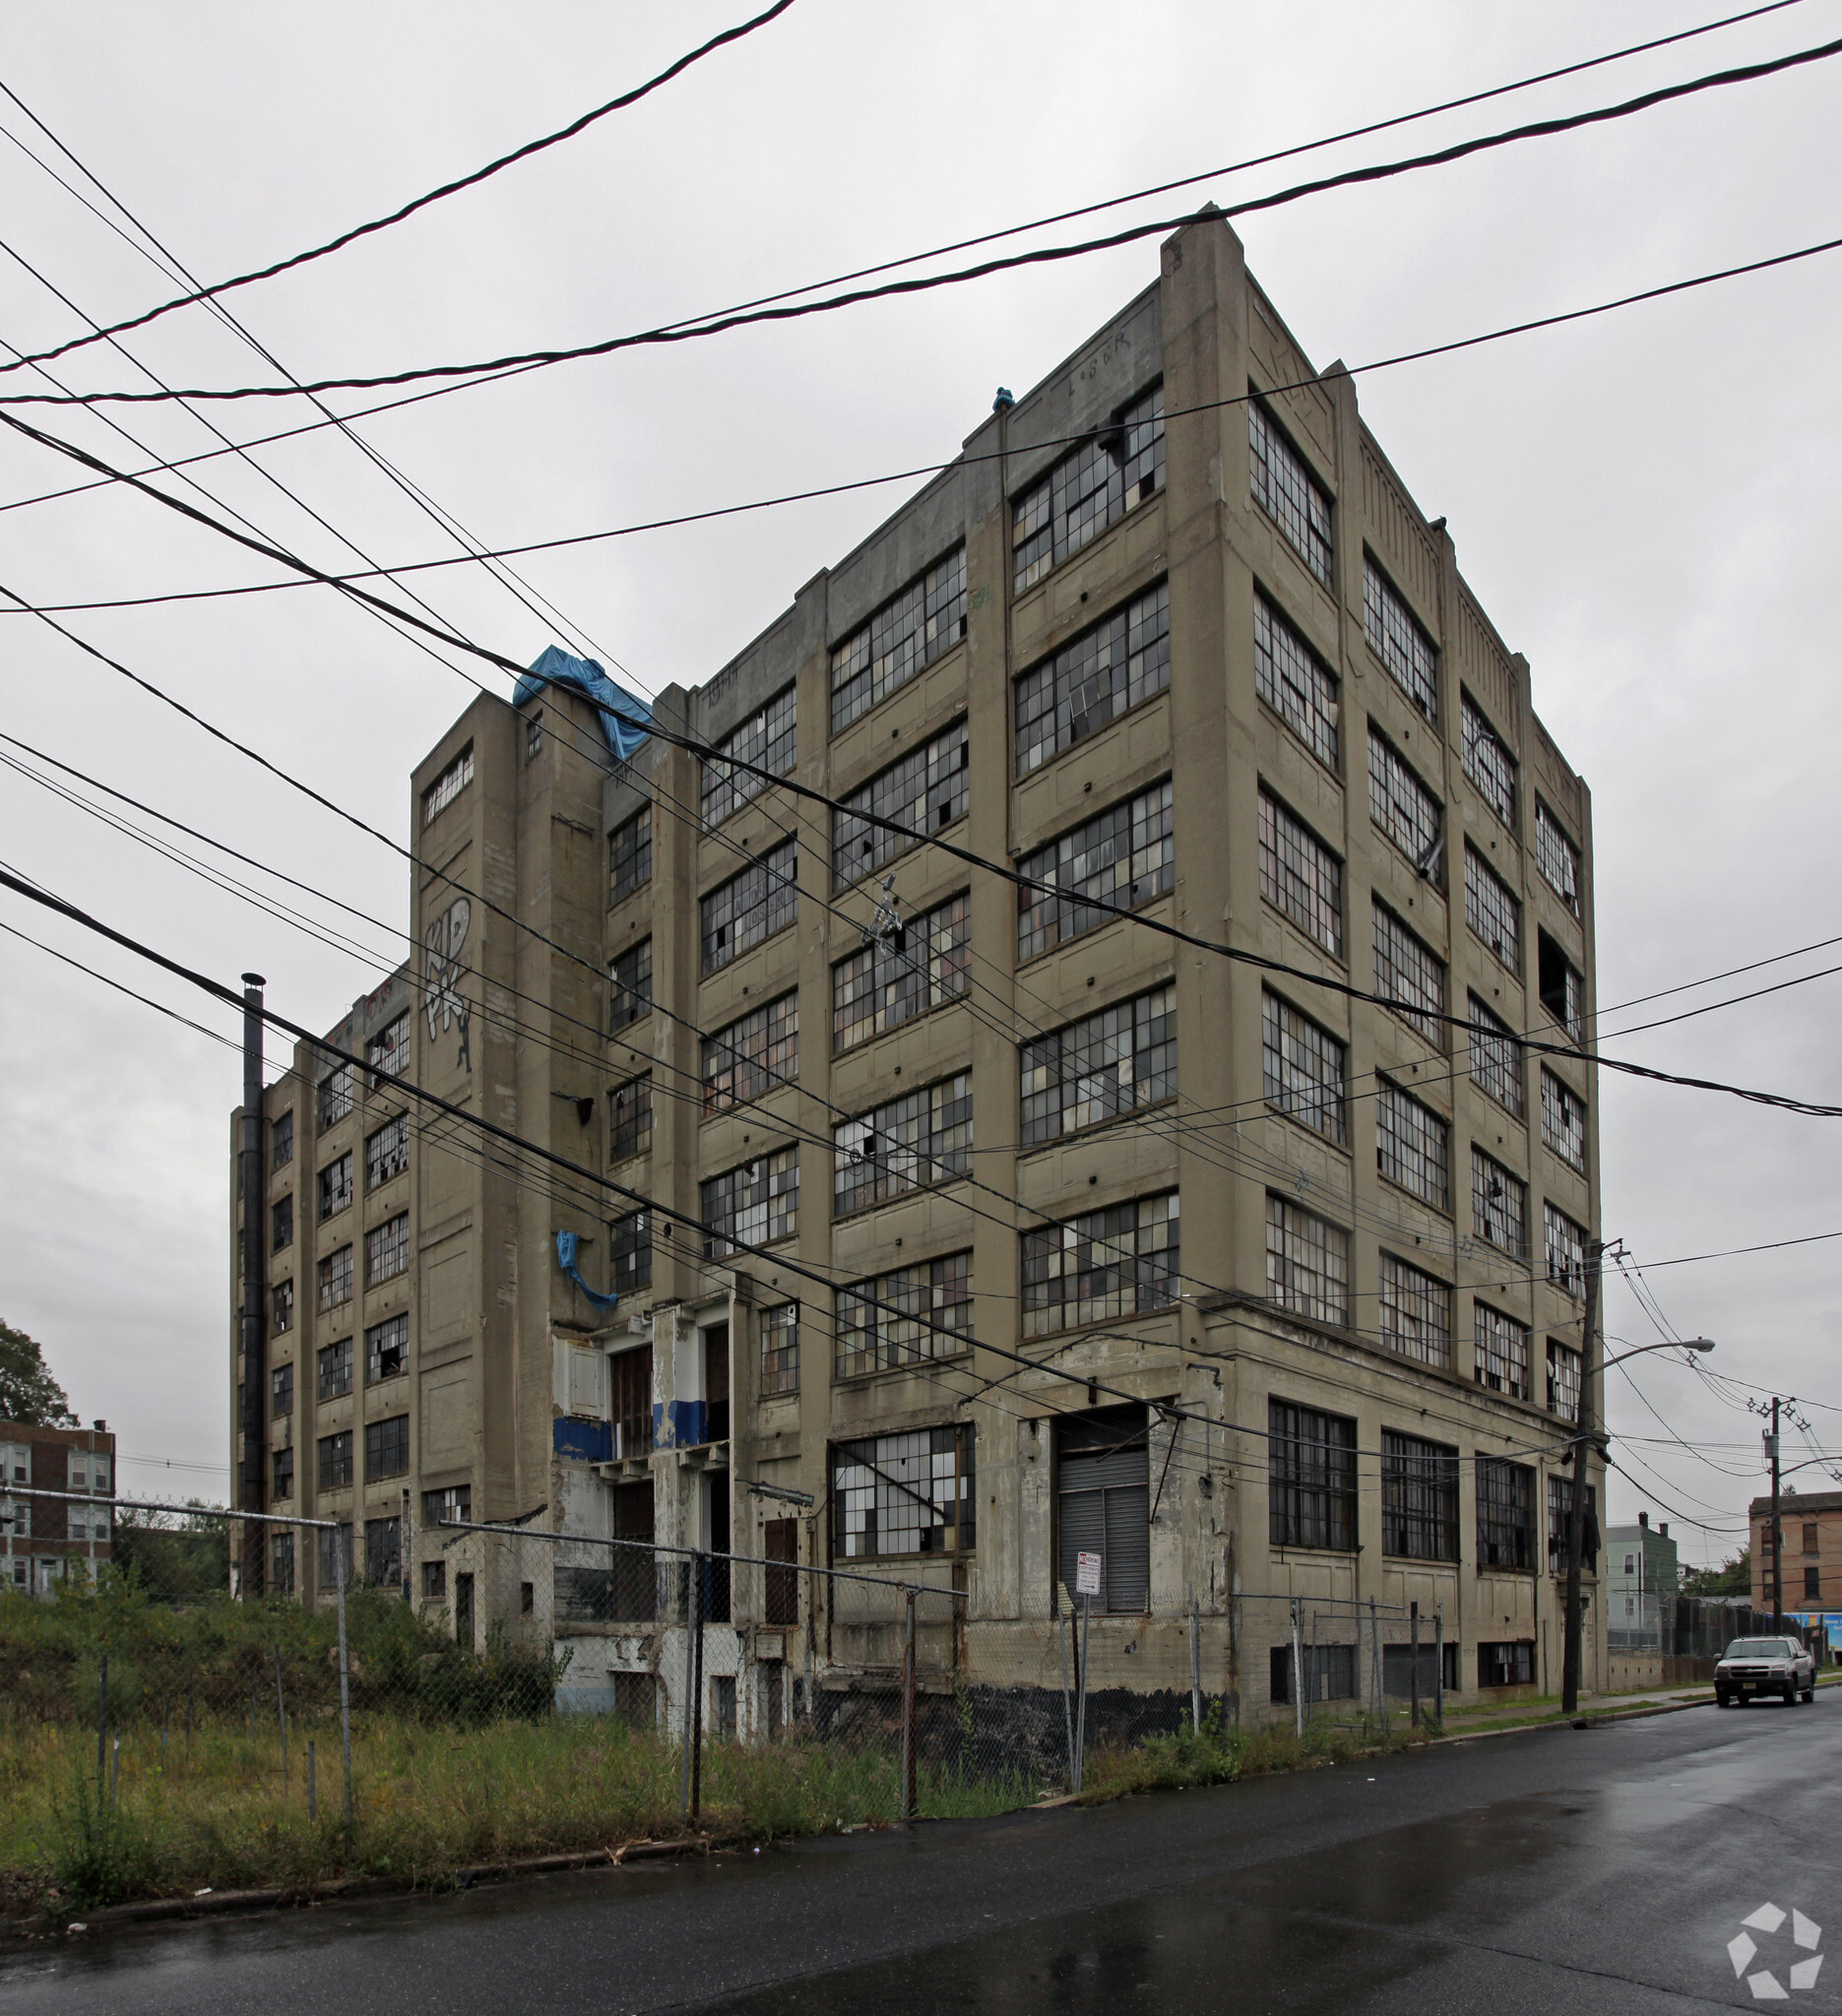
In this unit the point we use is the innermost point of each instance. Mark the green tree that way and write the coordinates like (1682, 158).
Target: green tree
(1731, 1578)
(27, 1391)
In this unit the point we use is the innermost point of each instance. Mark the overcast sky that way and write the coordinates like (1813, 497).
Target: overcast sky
(1646, 504)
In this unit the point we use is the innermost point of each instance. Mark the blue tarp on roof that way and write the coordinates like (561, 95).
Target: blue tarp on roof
(626, 721)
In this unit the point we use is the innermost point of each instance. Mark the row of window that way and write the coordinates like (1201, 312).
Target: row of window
(386, 1454)
(386, 1255)
(386, 1156)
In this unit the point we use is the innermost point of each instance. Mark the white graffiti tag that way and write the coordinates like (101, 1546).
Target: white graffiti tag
(445, 1003)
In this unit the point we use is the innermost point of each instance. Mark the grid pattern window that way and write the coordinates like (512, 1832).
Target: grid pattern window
(1401, 806)
(1560, 1510)
(335, 1187)
(1418, 1499)
(383, 1553)
(282, 1306)
(1501, 1353)
(336, 1279)
(1564, 1243)
(1562, 991)
(630, 1118)
(282, 1223)
(927, 620)
(1493, 910)
(387, 1249)
(336, 1096)
(923, 965)
(455, 1502)
(1310, 1478)
(754, 1204)
(1412, 1146)
(1489, 764)
(750, 906)
(1300, 876)
(281, 1562)
(448, 786)
(752, 1054)
(630, 854)
(387, 1448)
(630, 986)
(1086, 491)
(1558, 858)
(630, 1252)
(1291, 679)
(1402, 646)
(906, 1316)
(387, 1151)
(1416, 1313)
(334, 1362)
(1123, 1261)
(768, 739)
(1308, 1262)
(924, 1137)
(902, 1494)
(1496, 1057)
(1563, 1121)
(1118, 1060)
(1286, 490)
(281, 1392)
(1125, 856)
(1499, 1205)
(389, 1049)
(333, 1460)
(282, 1140)
(387, 1348)
(1563, 1381)
(1301, 1068)
(780, 1350)
(925, 792)
(1505, 1527)
(1410, 972)
(1105, 672)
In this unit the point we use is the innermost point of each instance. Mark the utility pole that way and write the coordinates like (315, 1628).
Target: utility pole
(1778, 1584)
(252, 1180)
(1571, 1623)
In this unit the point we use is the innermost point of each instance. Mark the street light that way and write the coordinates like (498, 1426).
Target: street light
(1668, 1344)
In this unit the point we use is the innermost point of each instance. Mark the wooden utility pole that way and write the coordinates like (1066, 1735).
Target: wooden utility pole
(1571, 1623)
(1778, 1536)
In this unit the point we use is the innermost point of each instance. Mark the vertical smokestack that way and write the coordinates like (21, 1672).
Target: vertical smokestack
(253, 1180)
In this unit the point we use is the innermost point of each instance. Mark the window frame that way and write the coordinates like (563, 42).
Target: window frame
(767, 739)
(1504, 1490)
(1129, 1281)
(1305, 889)
(764, 1188)
(881, 971)
(1501, 1345)
(1291, 679)
(1281, 1072)
(1508, 1069)
(1288, 503)
(630, 1117)
(1557, 856)
(1483, 1165)
(1323, 1487)
(1390, 968)
(1420, 1498)
(1413, 1145)
(920, 1140)
(632, 990)
(1146, 820)
(336, 1186)
(453, 780)
(330, 1361)
(630, 854)
(1487, 761)
(944, 1302)
(748, 908)
(1403, 808)
(733, 1074)
(1332, 1272)
(779, 1337)
(1563, 1121)
(1492, 906)
(1131, 439)
(1421, 1306)
(879, 1457)
(1104, 650)
(1120, 1058)
(384, 1442)
(932, 605)
(1382, 600)
(935, 774)
(385, 1161)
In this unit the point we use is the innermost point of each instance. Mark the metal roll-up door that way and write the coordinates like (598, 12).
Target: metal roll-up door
(1103, 1503)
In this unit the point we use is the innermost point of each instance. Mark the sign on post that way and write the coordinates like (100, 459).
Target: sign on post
(1087, 1574)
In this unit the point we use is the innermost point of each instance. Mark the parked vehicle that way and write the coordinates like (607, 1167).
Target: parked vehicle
(1751, 1668)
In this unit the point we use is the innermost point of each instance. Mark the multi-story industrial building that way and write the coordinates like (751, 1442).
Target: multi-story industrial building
(71, 1530)
(1007, 1226)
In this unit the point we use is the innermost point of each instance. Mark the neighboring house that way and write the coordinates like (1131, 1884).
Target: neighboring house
(44, 1539)
(1811, 1527)
(1642, 1579)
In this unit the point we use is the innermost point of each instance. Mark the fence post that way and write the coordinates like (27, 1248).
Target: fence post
(1375, 1694)
(1412, 1684)
(908, 1714)
(1065, 1623)
(1298, 1671)
(101, 1726)
(699, 1568)
(345, 1675)
(1438, 1665)
(688, 1569)
(281, 1714)
(1080, 1714)
(1196, 1663)
(312, 1799)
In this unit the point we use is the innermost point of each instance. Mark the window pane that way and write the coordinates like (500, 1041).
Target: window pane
(1496, 1057)
(752, 1205)
(1401, 806)
(1402, 646)
(630, 986)
(902, 1494)
(1489, 764)
(1493, 909)
(1124, 856)
(1416, 1313)
(907, 1143)
(1121, 660)
(1088, 490)
(1300, 876)
(1418, 1499)
(768, 741)
(1410, 975)
(928, 618)
(1558, 858)
(1563, 1121)
(630, 854)
(1115, 1062)
(1412, 1146)
(903, 974)
(1502, 1352)
(1301, 1067)
(1293, 683)
(906, 1316)
(1285, 488)
(752, 1054)
(1118, 1262)
(1310, 1478)
(925, 792)
(750, 906)
(1308, 1262)
(1499, 1205)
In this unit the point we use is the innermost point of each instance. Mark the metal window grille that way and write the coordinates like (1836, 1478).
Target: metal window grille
(281, 1562)
(1310, 1478)
(387, 1348)
(1300, 876)
(1308, 1262)
(1558, 858)
(927, 620)
(1110, 669)
(780, 1350)
(924, 1137)
(1409, 973)
(1563, 1121)
(630, 986)
(387, 1151)
(1088, 490)
(282, 1223)
(1489, 763)
(630, 1118)
(336, 1279)
(282, 1306)
(387, 1249)
(1565, 1247)
(750, 906)
(1501, 1352)
(1401, 806)
(1412, 1146)
(903, 1317)
(920, 966)
(337, 1096)
(1125, 855)
(630, 854)
(1493, 910)
(1123, 1261)
(768, 739)
(1562, 991)
(630, 1251)
(282, 1140)
(755, 1203)
(334, 1362)
(334, 1466)
(752, 1054)
(335, 1187)
(1301, 1068)
(902, 1494)
(1418, 1499)
(1397, 639)
(448, 786)
(389, 1049)
(1118, 1060)
(1499, 1205)
(280, 1474)
(1416, 1313)
(926, 791)
(386, 1447)
(1496, 1058)
(1563, 1381)
(1286, 490)
(383, 1553)
(1559, 1508)
(1291, 679)
(1506, 1521)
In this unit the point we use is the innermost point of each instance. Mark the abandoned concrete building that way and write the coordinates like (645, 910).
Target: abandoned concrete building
(964, 1224)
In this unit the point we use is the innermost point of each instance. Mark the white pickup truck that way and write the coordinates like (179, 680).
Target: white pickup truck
(1751, 1668)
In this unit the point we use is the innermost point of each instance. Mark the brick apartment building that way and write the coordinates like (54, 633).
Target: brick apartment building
(1810, 1524)
(42, 1540)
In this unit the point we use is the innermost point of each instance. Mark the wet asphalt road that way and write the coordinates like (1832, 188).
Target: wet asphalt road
(1579, 1871)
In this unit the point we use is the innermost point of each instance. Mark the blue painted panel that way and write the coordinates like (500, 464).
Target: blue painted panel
(584, 1441)
(679, 1423)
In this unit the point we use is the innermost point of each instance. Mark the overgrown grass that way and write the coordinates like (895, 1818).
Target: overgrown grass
(1219, 1752)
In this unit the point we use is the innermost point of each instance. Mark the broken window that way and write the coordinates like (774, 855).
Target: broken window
(387, 1249)
(630, 986)
(1410, 975)
(903, 974)
(282, 1140)
(389, 1051)
(780, 1350)
(752, 1054)
(1300, 876)
(1399, 642)
(1500, 1359)
(1559, 1508)
(1507, 1663)
(1563, 1121)
(1558, 858)
(1489, 763)
(282, 1221)
(387, 1448)
(455, 1501)
(383, 1553)
(630, 1405)
(924, 1137)
(1293, 682)
(1496, 1057)
(1402, 807)
(282, 1306)
(1416, 1313)
(905, 1317)
(281, 1391)
(630, 1251)
(927, 620)
(448, 786)
(1505, 1517)
(750, 906)
(1499, 1205)
(1308, 1262)
(1412, 1146)
(630, 1118)
(925, 791)
(1123, 856)
(334, 1460)
(1103, 1504)
(1310, 1478)
(1493, 909)
(630, 854)
(281, 1473)
(335, 1187)
(1123, 1261)
(1285, 488)
(281, 1564)
(768, 741)
(1121, 660)
(1418, 1499)
(1563, 990)
(904, 1494)
(752, 1205)
(1565, 1247)
(336, 1279)
(334, 1554)
(1088, 490)
(1118, 1060)
(336, 1096)
(387, 1151)
(1563, 1381)
(334, 1362)
(1301, 1068)
(387, 1348)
